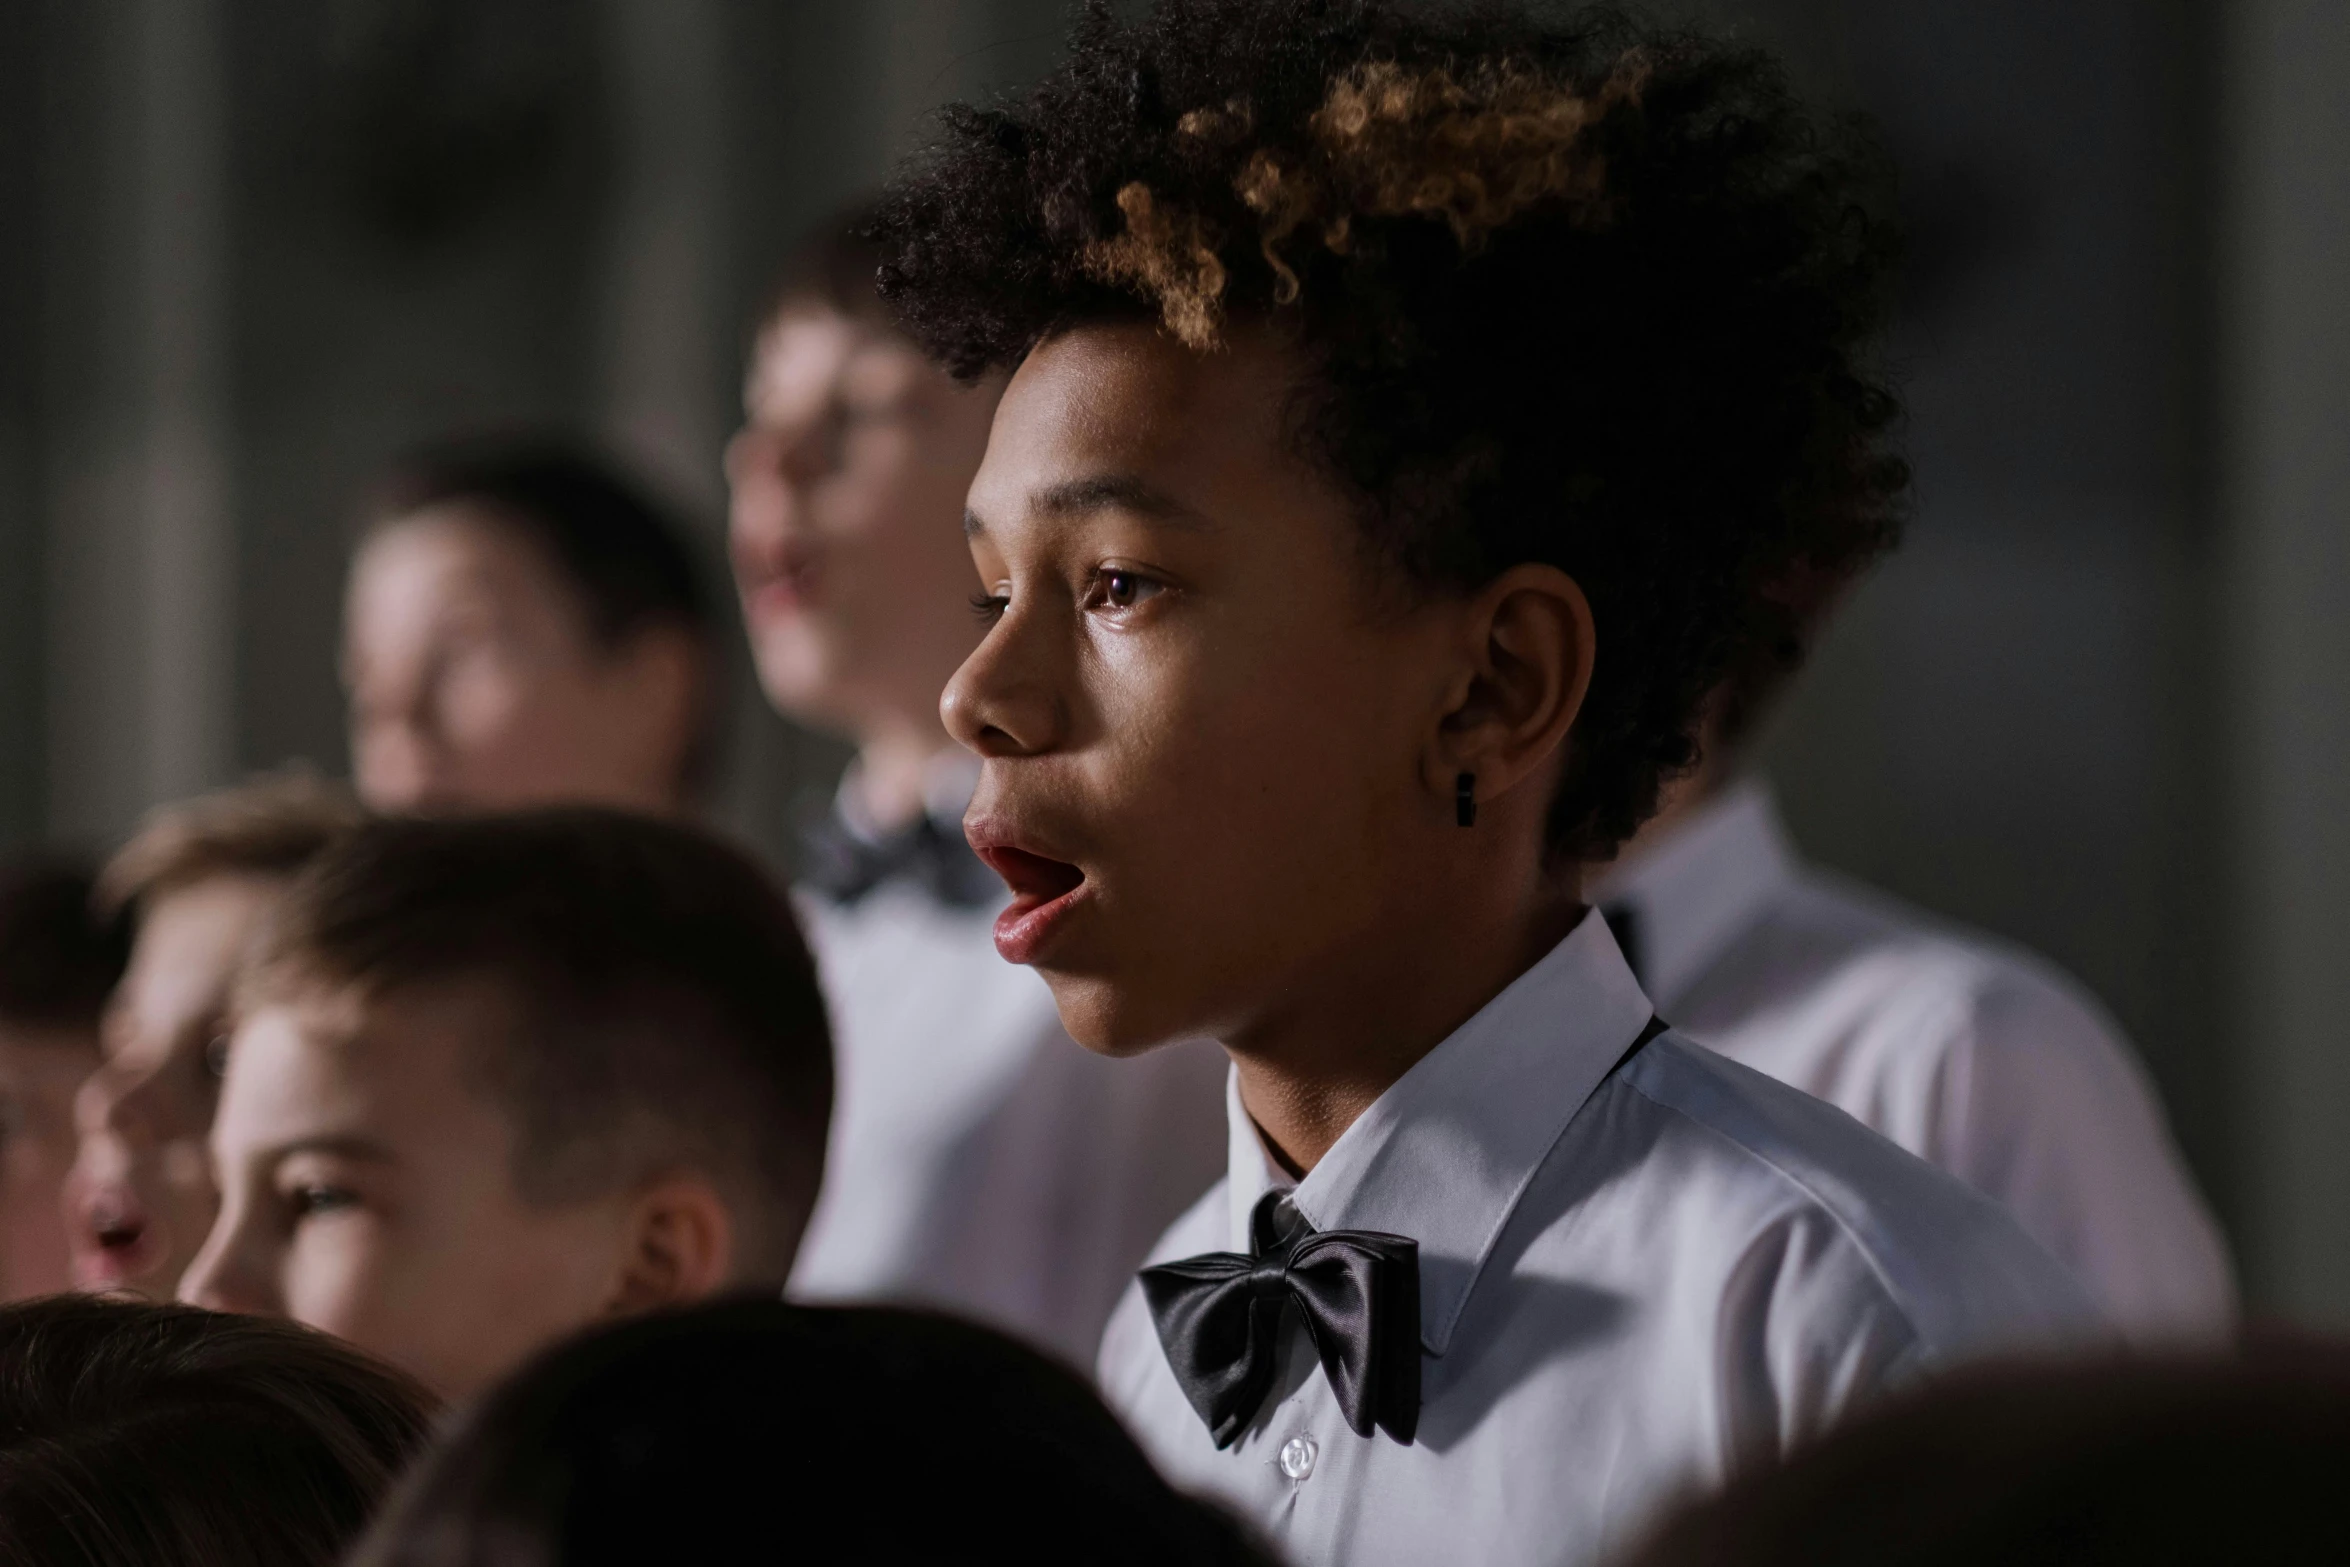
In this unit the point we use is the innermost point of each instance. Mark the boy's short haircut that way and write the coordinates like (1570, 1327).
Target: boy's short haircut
(271, 826)
(135, 1433)
(753, 1430)
(2105, 1463)
(665, 1014)
(60, 957)
(621, 554)
(1586, 293)
(834, 267)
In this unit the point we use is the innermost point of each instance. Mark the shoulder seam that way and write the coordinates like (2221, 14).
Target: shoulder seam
(1893, 1296)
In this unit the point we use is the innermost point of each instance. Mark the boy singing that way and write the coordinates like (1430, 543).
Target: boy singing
(494, 1079)
(195, 883)
(1407, 417)
(979, 1159)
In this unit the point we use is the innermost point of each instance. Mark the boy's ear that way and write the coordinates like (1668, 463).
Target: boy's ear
(678, 1248)
(1527, 641)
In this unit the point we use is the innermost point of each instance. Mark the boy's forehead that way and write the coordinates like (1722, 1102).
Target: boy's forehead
(1127, 400)
(319, 1048)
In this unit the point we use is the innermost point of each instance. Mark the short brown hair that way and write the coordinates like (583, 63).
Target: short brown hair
(132, 1432)
(2106, 1463)
(668, 1009)
(272, 825)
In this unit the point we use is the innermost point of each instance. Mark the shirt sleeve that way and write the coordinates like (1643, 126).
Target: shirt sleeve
(2044, 1107)
(1807, 1333)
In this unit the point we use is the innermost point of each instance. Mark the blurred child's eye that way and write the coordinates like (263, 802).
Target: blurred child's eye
(989, 607)
(216, 1057)
(308, 1202)
(1116, 589)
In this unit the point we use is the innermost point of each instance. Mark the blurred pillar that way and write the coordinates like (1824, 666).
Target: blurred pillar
(665, 294)
(2285, 326)
(140, 560)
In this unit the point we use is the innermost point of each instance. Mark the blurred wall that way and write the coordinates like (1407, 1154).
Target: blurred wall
(2098, 703)
(2284, 371)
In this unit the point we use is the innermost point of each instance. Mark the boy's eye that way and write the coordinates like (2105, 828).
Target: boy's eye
(1116, 589)
(307, 1202)
(990, 607)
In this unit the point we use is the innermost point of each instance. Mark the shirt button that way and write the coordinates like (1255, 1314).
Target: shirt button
(1298, 1455)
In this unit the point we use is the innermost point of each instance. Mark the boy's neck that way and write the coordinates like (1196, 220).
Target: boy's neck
(1307, 1071)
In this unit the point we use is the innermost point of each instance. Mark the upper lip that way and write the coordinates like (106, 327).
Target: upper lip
(779, 563)
(988, 833)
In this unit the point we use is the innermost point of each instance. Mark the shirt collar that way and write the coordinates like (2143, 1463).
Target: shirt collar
(1706, 882)
(1444, 1155)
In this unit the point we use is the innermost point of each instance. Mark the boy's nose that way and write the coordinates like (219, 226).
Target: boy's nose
(115, 1101)
(220, 1280)
(996, 706)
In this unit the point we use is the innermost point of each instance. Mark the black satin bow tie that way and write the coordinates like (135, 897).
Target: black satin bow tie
(1219, 1317)
(845, 865)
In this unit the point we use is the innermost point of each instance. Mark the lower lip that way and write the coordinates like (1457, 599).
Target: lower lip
(97, 1267)
(780, 596)
(1026, 928)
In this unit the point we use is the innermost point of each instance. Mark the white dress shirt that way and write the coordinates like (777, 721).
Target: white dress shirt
(1629, 1283)
(981, 1160)
(1973, 1056)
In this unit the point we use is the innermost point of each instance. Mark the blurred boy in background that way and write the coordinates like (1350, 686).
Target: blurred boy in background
(494, 1079)
(195, 882)
(1974, 1056)
(980, 1159)
(59, 960)
(524, 627)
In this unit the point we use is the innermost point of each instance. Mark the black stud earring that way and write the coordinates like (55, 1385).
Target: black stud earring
(1464, 799)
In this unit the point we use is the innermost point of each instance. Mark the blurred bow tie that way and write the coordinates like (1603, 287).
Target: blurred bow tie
(1219, 1317)
(845, 865)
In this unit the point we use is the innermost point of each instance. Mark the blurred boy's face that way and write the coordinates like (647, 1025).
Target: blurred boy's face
(1205, 724)
(40, 1068)
(848, 481)
(367, 1189)
(475, 683)
(140, 1198)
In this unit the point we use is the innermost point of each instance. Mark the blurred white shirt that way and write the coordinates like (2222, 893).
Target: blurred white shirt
(1974, 1056)
(980, 1159)
(1632, 1281)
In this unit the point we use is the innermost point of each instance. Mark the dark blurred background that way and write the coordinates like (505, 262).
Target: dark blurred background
(2101, 702)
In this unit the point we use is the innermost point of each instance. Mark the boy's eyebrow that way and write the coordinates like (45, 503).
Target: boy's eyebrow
(1123, 491)
(344, 1145)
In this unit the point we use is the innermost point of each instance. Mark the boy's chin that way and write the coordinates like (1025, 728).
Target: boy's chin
(1115, 1018)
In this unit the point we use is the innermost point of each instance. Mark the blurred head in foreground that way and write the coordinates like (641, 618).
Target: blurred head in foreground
(195, 882)
(141, 1435)
(59, 960)
(754, 1430)
(2129, 1464)
(848, 479)
(496, 1078)
(524, 627)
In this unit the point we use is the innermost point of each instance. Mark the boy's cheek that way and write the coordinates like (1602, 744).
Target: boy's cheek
(334, 1278)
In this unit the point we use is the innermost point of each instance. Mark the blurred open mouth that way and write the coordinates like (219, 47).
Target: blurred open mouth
(1045, 892)
(114, 1242)
(785, 589)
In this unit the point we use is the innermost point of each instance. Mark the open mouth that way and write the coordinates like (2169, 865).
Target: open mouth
(113, 1245)
(1044, 891)
(786, 587)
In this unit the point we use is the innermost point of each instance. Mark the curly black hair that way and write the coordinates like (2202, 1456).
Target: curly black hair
(1580, 291)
